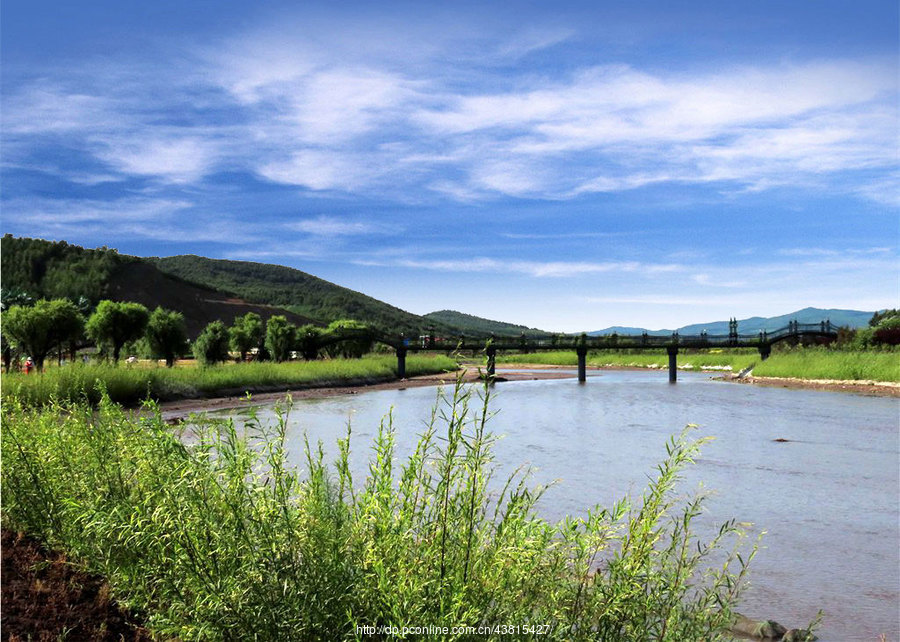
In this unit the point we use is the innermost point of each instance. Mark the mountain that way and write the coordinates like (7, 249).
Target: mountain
(839, 318)
(200, 288)
(477, 325)
(48, 269)
(294, 290)
(626, 330)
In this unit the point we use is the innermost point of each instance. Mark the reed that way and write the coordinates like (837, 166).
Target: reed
(217, 538)
(130, 385)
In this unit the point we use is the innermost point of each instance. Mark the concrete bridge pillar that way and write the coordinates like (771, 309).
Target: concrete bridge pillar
(673, 363)
(401, 363)
(491, 361)
(581, 351)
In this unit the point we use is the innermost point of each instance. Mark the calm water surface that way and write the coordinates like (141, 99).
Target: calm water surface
(829, 499)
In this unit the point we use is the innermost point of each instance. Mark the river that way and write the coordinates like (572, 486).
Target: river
(828, 498)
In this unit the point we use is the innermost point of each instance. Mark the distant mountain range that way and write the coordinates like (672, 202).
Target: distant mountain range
(839, 318)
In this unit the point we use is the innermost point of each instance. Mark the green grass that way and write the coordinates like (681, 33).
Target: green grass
(130, 385)
(800, 363)
(815, 363)
(218, 539)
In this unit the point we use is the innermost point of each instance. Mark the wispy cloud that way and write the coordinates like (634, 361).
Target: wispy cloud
(328, 226)
(540, 269)
(129, 218)
(310, 112)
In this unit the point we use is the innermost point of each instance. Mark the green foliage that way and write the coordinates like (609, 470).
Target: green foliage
(246, 333)
(211, 346)
(887, 331)
(113, 324)
(280, 337)
(356, 339)
(130, 385)
(884, 315)
(219, 539)
(863, 339)
(309, 338)
(14, 296)
(166, 335)
(48, 269)
(42, 327)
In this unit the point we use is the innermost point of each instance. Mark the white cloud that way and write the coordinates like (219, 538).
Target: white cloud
(538, 269)
(173, 158)
(369, 109)
(331, 227)
(319, 169)
(129, 218)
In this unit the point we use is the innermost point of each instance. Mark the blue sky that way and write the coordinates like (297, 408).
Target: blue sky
(568, 168)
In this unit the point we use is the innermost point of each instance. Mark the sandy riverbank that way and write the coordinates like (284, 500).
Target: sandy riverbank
(864, 387)
(174, 410)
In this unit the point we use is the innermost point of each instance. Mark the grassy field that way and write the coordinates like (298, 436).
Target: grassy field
(220, 540)
(130, 384)
(801, 363)
(825, 364)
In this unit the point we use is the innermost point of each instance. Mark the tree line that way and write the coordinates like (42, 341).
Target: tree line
(61, 327)
(883, 330)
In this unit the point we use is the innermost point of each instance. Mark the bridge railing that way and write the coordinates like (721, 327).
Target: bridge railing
(642, 341)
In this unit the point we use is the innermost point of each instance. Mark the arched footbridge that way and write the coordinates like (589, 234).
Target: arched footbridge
(581, 344)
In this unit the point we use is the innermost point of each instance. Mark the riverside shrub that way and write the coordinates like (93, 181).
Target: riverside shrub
(217, 538)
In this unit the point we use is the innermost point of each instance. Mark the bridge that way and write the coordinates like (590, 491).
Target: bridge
(582, 344)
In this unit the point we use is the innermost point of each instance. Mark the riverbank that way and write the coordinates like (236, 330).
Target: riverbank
(860, 387)
(179, 409)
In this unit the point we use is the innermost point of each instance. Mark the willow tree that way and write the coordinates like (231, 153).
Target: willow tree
(166, 335)
(114, 324)
(280, 337)
(246, 333)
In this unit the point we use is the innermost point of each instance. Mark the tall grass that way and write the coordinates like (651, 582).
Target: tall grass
(817, 363)
(221, 540)
(130, 385)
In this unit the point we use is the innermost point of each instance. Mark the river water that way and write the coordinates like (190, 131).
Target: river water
(828, 498)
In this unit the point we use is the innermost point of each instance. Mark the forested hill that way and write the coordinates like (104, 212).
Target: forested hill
(298, 291)
(37, 269)
(478, 325)
(202, 289)
(49, 270)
